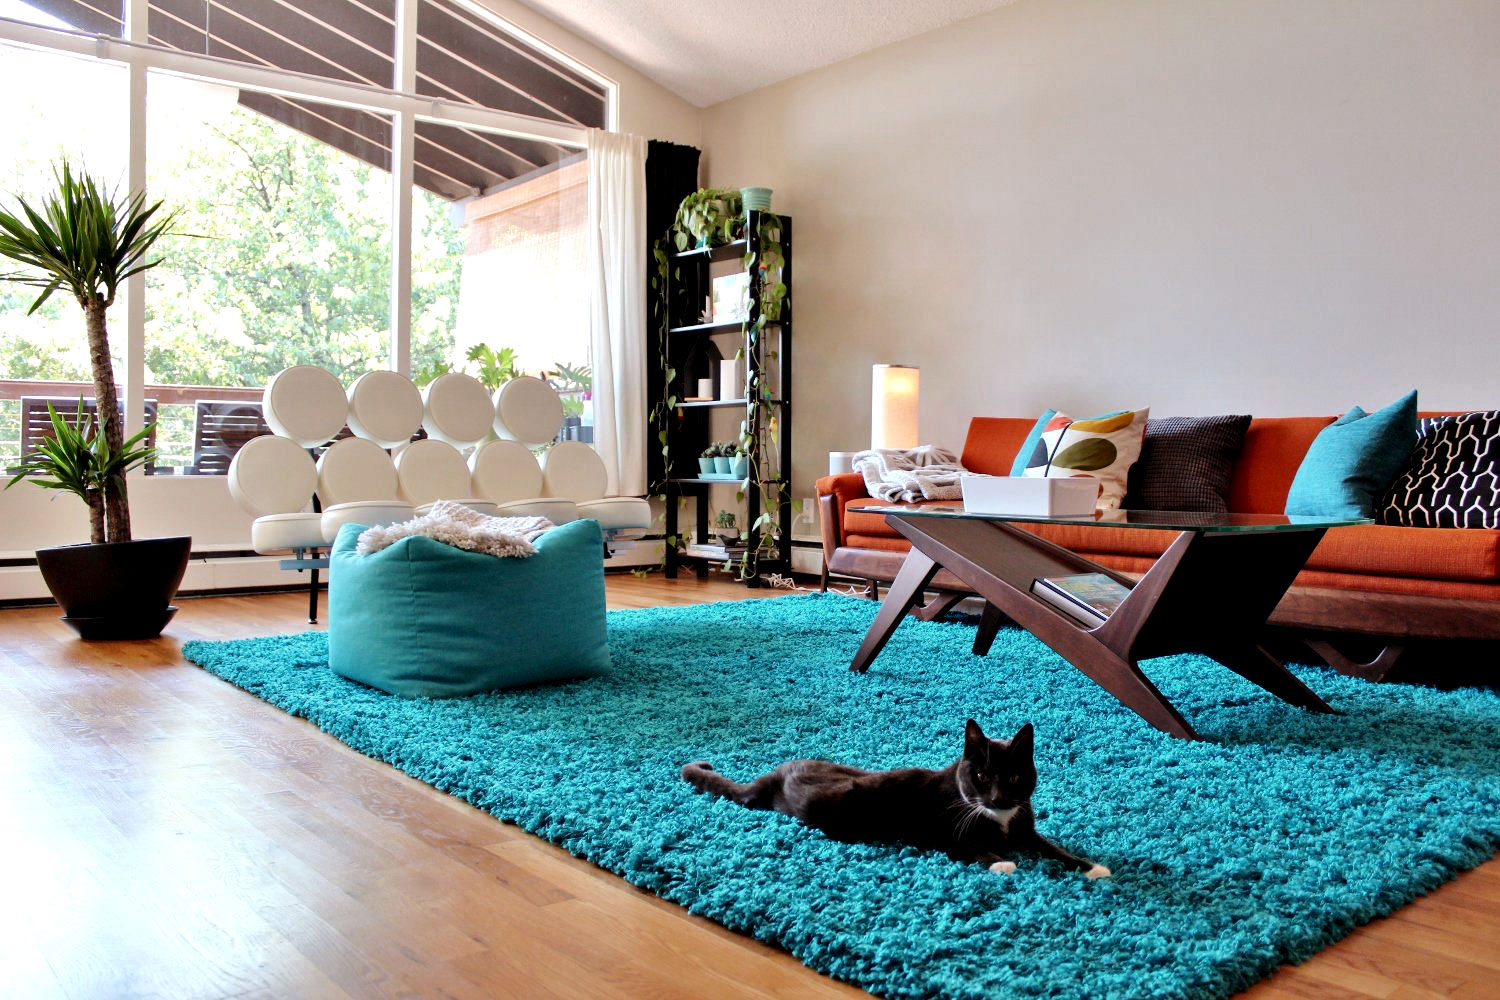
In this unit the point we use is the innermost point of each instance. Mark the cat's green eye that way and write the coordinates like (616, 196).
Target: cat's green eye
(981, 777)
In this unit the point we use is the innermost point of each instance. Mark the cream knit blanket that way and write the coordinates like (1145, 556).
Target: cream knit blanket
(926, 472)
(464, 528)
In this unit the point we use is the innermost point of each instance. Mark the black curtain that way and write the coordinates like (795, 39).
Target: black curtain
(671, 175)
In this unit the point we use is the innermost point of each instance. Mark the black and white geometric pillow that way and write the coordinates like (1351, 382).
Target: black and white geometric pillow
(1452, 479)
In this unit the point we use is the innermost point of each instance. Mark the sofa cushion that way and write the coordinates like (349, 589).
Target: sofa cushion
(1434, 553)
(1186, 463)
(992, 443)
(1104, 447)
(1452, 478)
(1273, 449)
(860, 519)
(1354, 460)
(1091, 540)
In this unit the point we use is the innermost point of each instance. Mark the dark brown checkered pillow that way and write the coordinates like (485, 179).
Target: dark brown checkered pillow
(1186, 462)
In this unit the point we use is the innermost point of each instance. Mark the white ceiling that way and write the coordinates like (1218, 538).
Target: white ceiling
(708, 52)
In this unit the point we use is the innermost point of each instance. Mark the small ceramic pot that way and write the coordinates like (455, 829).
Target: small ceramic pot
(723, 465)
(705, 466)
(756, 199)
(739, 466)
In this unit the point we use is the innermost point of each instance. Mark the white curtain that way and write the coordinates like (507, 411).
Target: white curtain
(617, 307)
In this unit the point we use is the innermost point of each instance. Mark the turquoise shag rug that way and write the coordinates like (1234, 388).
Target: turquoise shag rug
(1231, 857)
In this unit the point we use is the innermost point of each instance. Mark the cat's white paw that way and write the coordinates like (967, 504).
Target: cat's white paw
(1006, 868)
(1098, 871)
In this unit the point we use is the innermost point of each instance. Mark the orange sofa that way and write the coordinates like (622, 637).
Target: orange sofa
(1395, 583)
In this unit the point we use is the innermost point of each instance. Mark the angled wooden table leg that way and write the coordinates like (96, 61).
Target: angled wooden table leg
(916, 572)
(989, 627)
(1261, 668)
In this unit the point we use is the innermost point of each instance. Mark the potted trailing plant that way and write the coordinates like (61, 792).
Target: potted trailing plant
(86, 240)
(739, 462)
(709, 217)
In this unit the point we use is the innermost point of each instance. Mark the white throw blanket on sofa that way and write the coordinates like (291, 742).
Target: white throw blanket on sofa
(464, 528)
(923, 473)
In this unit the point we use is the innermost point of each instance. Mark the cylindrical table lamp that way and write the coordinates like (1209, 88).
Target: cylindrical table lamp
(894, 394)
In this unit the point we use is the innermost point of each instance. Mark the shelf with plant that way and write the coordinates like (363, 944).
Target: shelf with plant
(713, 220)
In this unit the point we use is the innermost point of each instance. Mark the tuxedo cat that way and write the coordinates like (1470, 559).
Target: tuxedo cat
(976, 809)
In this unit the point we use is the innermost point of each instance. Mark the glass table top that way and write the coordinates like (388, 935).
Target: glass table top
(1161, 520)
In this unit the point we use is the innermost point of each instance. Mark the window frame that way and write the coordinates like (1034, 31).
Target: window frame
(401, 102)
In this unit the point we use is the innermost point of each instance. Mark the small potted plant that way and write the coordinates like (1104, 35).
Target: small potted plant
(85, 240)
(739, 462)
(724, 458)
(726, 527)
(709, 217)
(706, 460)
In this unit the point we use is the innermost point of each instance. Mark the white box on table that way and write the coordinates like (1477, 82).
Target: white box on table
(1072, 497)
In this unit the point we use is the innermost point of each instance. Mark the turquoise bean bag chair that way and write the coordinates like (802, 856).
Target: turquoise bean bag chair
(424, 619)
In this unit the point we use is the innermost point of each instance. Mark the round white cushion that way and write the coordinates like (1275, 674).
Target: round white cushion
(618, 515)
(505, 470)
(355, 469)
(456, 409)
(271, 475)
(574, 470)
(385, 407)
(276, 532)
(528, 410)
(432, 470)
(305, 403)
(554, 509)
(370, 513)
(488, 507)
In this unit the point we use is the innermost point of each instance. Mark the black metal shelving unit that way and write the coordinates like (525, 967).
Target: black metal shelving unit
(689, 422)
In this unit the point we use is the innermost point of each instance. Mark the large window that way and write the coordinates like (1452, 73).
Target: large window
(43, 355)
(281, 162)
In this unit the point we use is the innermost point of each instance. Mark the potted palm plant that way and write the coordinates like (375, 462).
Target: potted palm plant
(83, 239)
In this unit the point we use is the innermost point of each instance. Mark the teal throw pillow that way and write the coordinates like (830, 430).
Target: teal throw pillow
(1354, 460)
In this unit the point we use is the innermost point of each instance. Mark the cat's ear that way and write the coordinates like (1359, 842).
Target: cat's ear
(1023, 741)
(973, 735)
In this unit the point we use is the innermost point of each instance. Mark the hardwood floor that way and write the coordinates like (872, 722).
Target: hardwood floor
(169, 835)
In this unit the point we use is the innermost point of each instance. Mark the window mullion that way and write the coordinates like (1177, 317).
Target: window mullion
(403, 141)
(135, 285)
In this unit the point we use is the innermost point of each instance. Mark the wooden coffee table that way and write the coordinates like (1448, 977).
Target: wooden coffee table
(1210, 592)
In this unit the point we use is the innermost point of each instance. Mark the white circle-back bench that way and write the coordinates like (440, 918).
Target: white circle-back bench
(300, 505)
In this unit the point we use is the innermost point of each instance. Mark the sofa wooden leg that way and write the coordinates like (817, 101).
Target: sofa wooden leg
(938, 606)
(1374, 670)
(872, 589)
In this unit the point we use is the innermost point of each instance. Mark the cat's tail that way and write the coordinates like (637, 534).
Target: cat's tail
(702, 776)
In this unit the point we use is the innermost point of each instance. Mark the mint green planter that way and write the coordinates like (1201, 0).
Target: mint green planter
(756, 198)
(722, 466)
(705, 466)
(740, 466)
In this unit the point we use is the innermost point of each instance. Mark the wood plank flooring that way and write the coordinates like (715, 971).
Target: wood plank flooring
(168, 835)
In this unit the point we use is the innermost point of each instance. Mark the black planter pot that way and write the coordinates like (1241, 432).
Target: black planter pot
(119, 590)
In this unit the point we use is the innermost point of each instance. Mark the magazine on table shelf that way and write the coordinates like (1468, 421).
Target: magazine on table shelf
(1090, 598)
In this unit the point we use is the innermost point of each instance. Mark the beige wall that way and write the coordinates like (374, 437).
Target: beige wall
(1205, 206)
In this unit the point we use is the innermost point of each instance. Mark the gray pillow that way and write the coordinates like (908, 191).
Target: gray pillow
(1186, 463)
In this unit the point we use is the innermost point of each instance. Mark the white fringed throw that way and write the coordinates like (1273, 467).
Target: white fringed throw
(926, 472)
(464, 528)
